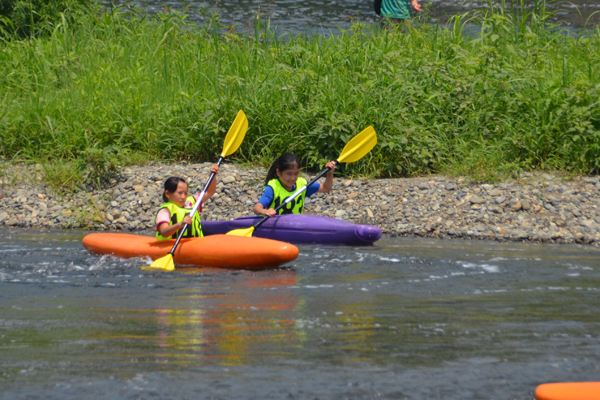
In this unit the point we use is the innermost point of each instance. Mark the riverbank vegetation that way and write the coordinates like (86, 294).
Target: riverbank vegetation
(117, 86)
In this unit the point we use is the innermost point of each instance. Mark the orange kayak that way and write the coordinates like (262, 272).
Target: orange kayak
(568, 391)
(211, 251)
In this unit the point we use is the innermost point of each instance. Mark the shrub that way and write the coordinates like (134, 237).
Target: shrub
(29, 17)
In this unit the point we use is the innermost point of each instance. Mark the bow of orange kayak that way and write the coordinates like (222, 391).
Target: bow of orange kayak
(568, 391)
(211, 251)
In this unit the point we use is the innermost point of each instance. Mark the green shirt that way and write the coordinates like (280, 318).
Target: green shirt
(395, 9)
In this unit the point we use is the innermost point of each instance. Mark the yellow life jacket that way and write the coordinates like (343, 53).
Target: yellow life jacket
(177, 215)
(280, 193)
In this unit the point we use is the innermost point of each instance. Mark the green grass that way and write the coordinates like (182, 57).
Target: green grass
(522, 95)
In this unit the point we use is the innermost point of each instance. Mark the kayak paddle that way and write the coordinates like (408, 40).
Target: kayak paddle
(234, 138)
(356, 149)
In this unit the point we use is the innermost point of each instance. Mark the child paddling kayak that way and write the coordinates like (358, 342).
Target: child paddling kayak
(282, 181)
(174, 214)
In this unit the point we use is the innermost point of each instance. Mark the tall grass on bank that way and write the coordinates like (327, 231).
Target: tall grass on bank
(519, 95)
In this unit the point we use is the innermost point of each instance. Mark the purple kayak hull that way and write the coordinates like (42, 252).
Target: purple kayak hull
(300, 228)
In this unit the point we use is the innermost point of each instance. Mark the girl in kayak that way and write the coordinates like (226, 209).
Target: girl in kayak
(174, 214)
(283, 180)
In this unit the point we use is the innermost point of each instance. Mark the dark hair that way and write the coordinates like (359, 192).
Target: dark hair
(283, 162)
(171, 185)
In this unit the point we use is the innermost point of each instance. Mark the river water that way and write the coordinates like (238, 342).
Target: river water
(404, 319)
(325, 16)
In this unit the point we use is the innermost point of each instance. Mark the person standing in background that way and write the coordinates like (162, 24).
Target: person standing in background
(396, 10)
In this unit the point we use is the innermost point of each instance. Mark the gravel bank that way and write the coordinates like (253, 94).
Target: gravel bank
(540, 207)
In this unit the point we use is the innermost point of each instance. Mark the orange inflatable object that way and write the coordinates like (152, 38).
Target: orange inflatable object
(210, 251)
(568, 391)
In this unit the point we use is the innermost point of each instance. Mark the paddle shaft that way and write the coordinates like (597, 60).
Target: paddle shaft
(198, 203)
(296, 193)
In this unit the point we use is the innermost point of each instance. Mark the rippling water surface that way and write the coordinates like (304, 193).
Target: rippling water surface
(407, 318)
(319, 15)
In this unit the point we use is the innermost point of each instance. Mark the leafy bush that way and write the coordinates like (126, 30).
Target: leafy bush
(27, 17)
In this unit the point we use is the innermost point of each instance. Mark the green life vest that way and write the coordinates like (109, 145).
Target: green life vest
(295, 206)
(177, 215)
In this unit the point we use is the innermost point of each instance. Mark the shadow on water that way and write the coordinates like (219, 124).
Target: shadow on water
(406, 318)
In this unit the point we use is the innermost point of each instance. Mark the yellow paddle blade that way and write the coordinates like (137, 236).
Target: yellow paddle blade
(164, 263)
(242, 232)
(236, 134)
(360, 145)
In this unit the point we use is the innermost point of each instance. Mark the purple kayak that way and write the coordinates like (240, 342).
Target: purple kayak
(299, 228)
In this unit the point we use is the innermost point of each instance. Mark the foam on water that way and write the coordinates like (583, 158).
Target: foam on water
(485, 267)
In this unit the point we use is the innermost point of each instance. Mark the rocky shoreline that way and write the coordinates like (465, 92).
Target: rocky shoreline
(540, 207)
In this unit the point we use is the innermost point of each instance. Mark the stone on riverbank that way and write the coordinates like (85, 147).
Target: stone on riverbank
(538, 208)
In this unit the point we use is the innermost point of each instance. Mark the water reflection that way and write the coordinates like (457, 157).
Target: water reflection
(230, 325)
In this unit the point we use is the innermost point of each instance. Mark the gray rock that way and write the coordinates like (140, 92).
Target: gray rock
(476, 199)
(340, 213)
